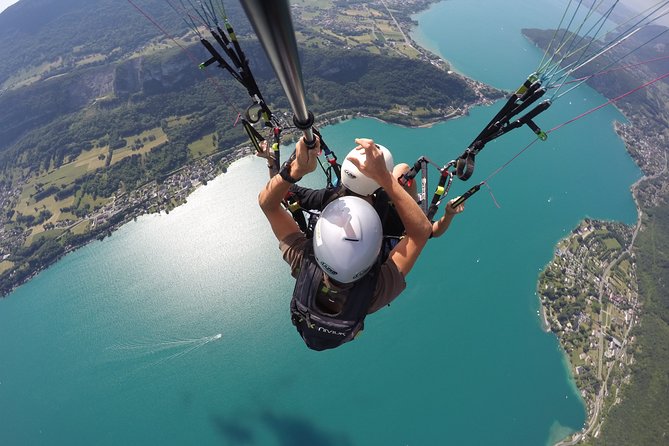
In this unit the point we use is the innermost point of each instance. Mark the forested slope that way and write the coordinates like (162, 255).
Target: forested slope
(47, 37)
(642, 418)
(51, 122)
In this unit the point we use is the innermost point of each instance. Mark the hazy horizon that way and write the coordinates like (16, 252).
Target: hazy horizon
(641, 5)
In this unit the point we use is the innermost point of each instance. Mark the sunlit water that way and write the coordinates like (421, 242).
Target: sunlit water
(118, 342)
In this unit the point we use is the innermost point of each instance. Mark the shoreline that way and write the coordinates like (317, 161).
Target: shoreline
(485, 95)
(595, 404)
(237, 153)
(245, 150)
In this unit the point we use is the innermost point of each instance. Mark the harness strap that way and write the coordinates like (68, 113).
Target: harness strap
(255, 137)
(242, 73)
(464, 166)
(321, 330)
(527, 94)
(443, 187)
(221, 62)
(293, 205)
(276, 147)
(223, 41)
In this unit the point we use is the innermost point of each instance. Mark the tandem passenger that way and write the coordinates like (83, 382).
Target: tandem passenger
(340, 276)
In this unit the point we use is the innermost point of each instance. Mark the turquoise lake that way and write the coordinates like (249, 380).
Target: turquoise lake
(116, 343)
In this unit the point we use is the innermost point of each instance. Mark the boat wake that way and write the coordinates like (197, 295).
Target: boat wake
(157, 353)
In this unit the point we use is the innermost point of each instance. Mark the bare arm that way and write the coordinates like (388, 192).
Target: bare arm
(272, 195)
(440, 226)
(416, 224)
(266, 153)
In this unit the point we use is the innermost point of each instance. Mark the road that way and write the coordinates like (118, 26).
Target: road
(594, 423)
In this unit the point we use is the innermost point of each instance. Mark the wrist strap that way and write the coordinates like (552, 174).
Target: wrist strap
(285, 173)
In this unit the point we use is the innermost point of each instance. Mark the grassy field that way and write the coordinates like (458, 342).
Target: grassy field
(373, 30)
(5, 265)
(149, 138)
(92, 58)
(612, 244)
(86, 162)
(176, 121)
(320, 4)
(32, 75)
(203, 146)
(164, 44)
(81, 227)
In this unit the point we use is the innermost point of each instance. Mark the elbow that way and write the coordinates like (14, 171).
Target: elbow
(262, 201)
(424, 232)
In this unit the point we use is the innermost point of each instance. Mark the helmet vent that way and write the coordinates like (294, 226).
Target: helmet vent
(352, 229)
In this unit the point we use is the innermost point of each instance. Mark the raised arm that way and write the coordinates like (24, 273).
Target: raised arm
(417, 226)
(272, 195)
(266, 153)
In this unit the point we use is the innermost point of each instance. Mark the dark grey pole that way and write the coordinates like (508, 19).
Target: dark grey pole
(274, 27)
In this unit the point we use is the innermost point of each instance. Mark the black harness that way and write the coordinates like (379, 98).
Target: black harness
(320, 329)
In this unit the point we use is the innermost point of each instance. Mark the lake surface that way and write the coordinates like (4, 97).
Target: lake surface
(116, 343)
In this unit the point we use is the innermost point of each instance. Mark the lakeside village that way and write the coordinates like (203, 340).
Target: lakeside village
(383, 30)
(152, 197)
(589, 290)
(590, 300)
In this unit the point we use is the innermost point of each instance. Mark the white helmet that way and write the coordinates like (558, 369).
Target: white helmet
(357, 182)
(347, 239)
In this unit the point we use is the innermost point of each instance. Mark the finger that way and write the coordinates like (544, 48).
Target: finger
(355, 161)
(301, 145)
(365, 143)
(317, 146)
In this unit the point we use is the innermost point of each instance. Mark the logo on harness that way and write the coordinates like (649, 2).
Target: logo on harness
(332, 332)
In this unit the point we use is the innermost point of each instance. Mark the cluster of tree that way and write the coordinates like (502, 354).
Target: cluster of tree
(43, 193)
(132, 172)
(338, 79)
(66, 191)
(30, 220)
(587, 380)
(335, 80)
(39, 254)
(577, 338)
(568, 311)
(33, 33)
(41, 250)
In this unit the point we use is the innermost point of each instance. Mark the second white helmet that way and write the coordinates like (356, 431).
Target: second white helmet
(347, 239)
(356, 181)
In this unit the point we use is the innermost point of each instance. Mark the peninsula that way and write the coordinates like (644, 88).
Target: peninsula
(599, 294)
(100, 134)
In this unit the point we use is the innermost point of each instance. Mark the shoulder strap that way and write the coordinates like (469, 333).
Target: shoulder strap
(322, 331)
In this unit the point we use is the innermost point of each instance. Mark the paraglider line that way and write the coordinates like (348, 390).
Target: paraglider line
(608, 103)
(582, 115)
(213, 80)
